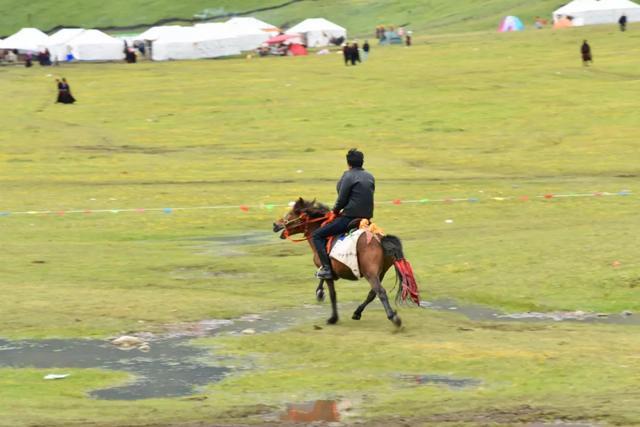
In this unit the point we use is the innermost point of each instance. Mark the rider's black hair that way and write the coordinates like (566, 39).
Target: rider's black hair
(355, 158)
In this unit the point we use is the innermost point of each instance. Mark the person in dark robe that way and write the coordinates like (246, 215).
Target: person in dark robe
(623, 22)
(356, 52)
(407, 39)
(585, 50)
(346, 53)
(64, 92)
(28, 61)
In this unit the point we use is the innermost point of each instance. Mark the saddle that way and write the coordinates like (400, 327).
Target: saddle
(372, 230)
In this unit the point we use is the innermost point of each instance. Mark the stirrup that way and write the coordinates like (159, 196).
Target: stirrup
(324, 272)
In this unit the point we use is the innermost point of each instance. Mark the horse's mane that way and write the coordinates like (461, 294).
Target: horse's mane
(312, 208)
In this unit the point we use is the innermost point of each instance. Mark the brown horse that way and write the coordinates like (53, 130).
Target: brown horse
(376, 254)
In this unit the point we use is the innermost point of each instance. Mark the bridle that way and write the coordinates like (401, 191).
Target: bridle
(325, 219)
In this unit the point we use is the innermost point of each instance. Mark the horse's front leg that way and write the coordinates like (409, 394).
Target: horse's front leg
(320, 291)
(334, 303)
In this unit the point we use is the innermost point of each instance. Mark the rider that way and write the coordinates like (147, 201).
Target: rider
(355, 200)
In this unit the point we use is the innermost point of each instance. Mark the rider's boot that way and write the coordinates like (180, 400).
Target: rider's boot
(324, 272)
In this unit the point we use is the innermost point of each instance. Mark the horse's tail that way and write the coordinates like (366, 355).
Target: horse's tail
(405, 279)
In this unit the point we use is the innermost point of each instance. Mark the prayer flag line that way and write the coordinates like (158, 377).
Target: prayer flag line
(271, 206)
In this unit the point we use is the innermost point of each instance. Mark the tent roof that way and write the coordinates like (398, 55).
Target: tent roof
(26, 39)
(63, 36)
(315, 24)
(94, 37)
(577, 6)
(251, 22)
(154, 33)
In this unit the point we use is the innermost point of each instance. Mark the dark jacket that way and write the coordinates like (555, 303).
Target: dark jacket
(355, 194)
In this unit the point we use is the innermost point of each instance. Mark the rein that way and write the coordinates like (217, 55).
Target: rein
(330, 216)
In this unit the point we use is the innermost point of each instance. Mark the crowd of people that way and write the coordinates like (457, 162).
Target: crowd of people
(392, 35)
(353, 54)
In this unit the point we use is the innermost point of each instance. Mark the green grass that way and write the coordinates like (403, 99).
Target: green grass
(482, 115)
(358, 16)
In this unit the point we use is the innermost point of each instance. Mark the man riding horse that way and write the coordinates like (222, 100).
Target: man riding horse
(355, 200)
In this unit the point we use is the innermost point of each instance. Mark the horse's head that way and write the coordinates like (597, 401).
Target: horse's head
(293, 221)
(296, 221)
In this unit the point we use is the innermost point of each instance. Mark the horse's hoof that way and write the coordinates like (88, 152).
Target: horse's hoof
(396, 320)
(332, 320)
(356, 316)
(320, 295)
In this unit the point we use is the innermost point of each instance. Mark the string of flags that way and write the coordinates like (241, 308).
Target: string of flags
(272, 206)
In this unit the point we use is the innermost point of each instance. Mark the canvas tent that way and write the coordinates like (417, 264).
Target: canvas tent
(318, 31)
(26, 40)
(590, 12)
(236, 37)
(58, 43)
(154, 33)
(94, 45)
(511, 23)
(194, 43)
(252, 23)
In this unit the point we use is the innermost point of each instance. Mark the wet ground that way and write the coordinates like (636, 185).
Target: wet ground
(171, 367)
(483, 313)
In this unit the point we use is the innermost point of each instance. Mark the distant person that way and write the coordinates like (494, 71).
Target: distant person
(538, 23)
(623, 22)
(11, 57)
(585, 50)
(64, 92)
(346, 53)
(365, 50)
(28, 59)
(407, 39)
(356, 53)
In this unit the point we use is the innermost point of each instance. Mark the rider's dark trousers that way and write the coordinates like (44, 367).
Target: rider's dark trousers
(338, 226)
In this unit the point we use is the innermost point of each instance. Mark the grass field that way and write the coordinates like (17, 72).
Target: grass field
(358, 16)
(481, 116)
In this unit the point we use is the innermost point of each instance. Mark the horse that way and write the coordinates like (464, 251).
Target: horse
(376, 254)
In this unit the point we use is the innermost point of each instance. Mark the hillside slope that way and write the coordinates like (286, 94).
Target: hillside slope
(359, 16)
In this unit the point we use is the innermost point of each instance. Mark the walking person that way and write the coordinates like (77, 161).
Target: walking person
(355, 200)
(623, 22)
(345, 53)
(365, 50)
(585, 50)
(64, 92)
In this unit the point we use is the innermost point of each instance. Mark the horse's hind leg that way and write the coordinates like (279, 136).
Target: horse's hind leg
(358, 313)
(334, 303)
(320, 291)
(376, 286)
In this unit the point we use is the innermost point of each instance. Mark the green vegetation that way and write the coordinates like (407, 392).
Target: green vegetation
(358, 16)
(482, 115)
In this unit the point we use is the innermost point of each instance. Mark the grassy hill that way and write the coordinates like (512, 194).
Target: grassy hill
(359, 16)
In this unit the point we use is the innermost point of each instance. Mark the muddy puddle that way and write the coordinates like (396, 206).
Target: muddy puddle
(440, 380)
(168, 367)
(480, 313)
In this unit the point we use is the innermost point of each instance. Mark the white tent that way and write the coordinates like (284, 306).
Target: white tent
(251, 23)
(318, 31)
(58, 43)
(589, 12)
(235, 36)
(194, 43)
(154, 33)
(94, 45)
(27, 40)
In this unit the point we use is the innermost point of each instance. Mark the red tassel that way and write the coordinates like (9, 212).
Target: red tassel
(408, 281)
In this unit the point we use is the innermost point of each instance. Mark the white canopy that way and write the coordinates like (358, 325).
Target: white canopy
(27, 39)
(589, 12)
(238, 37)
(318, 31)
(154, 33)
(194, 43)
(58, 43)
(94, 45)
(251, 23)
